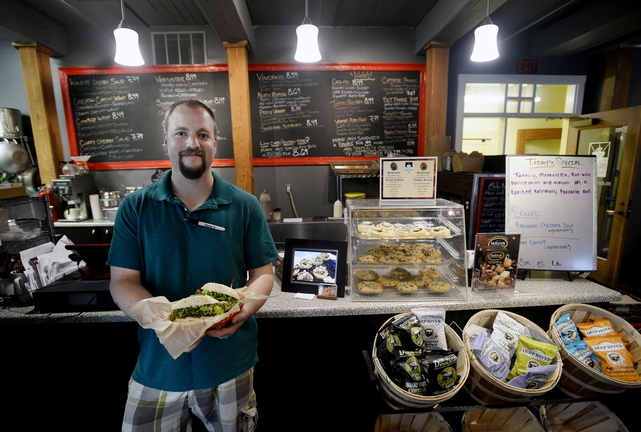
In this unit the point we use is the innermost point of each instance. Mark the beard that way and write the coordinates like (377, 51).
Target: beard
(190, 172)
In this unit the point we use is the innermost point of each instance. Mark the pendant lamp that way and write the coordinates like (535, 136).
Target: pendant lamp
(127, 49)
(485, 45)
(307, 48)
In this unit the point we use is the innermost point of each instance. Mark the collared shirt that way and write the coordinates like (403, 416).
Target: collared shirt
(176, 257)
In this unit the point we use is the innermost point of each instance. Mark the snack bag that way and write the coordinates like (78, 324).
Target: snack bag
(567, 329)
(531, 353)
(580, 350)
(534, 378)
(600, 327)
(433, 322)
(491, 357)
(440, 372)
(474, 330)
(616, 360)
(505, 333)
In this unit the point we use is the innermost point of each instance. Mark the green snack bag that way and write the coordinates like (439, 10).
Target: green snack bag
(531, 353)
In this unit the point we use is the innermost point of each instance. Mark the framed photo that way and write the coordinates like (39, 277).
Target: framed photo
(315, 267)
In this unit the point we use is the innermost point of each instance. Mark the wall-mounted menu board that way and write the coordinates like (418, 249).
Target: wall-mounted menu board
(487, 210)
(551, 202)
(304, 115)
(114, 114)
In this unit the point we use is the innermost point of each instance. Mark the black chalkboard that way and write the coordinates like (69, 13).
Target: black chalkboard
(487, 211)
(302, 115)
(114, 114)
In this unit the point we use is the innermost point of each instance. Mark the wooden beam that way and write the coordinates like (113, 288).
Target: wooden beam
(616, 83)
(240, 113)
(42, 108)
(437, 67)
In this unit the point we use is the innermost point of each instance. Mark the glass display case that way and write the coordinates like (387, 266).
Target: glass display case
(406, 252)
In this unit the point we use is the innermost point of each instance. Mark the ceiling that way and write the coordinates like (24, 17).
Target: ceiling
(556, 27)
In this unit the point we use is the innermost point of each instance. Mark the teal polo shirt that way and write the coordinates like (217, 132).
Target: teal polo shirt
(176, 258)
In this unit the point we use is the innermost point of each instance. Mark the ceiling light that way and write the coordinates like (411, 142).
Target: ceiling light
(485, 44)
(307, 48)
(127, 49)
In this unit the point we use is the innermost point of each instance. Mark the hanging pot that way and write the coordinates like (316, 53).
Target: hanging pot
(13, 157)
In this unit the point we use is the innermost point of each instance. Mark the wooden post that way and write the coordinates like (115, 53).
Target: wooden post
(437, 67)
(42, 108)
(616, 83)
(240, 113)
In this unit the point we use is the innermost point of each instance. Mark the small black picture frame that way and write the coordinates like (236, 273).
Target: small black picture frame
(315, 267)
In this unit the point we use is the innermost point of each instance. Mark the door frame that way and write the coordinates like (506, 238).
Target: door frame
(608, 269)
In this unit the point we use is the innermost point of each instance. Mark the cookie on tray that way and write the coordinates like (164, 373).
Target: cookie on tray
(387, 281)
(407, 287)
(370, 287)
(439, 286)
(366, 275)
(367, 259)
(430, 272)
(420, 280)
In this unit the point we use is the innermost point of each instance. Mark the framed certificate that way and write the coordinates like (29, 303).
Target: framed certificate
(408, 180)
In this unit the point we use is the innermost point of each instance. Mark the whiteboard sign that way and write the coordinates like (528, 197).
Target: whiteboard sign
(551, 202)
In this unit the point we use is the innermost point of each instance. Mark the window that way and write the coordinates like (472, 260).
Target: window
(179, 48)
(493, 110)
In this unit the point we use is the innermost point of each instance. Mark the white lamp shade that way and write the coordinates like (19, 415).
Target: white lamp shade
(485, 45)
(307, 48)
(127, 49)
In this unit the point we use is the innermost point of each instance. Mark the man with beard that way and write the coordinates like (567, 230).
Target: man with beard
(160, 249)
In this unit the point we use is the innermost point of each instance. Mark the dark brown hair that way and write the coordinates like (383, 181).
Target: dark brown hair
(189, 103)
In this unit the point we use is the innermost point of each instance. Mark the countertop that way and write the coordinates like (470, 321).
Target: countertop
(530, 292)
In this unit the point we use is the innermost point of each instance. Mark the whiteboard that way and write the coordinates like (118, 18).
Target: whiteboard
(551, 202)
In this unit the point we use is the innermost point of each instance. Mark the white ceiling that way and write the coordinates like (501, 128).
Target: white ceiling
(557, 27)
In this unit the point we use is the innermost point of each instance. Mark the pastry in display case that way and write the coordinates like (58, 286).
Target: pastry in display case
(406, 252)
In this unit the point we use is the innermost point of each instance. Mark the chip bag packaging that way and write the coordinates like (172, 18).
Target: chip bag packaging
(155, 312)
(616, 360)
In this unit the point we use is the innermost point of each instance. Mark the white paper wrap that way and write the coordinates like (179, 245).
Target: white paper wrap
(153, 313)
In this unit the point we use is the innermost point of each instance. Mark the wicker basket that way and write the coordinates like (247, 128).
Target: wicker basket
(580, 416)
(489, 390)
(425, 422)
(516, 419)
(580, 380)
(401, 399)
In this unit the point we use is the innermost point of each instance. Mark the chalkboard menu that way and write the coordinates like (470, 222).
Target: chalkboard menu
(487, 210)
(303, 116)
(114, 114)
(551, 202)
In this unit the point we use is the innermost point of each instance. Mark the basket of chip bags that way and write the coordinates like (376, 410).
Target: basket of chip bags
(420, 422)
(511, 358)
(601, 351)
(418, 359)
(516, 419)
(580, 416)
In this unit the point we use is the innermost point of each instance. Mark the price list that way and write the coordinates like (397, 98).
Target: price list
(334, 113)
(117, 118)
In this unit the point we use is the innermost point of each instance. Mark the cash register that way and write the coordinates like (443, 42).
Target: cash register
(84, 290)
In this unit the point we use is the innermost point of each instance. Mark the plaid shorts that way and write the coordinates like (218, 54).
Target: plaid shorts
(229, 407)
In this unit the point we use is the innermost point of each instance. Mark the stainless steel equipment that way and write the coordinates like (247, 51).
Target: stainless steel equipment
(75, 190)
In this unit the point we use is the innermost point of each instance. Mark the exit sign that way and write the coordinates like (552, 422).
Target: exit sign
(527, 66)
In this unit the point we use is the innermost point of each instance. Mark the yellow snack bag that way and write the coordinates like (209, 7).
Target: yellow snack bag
(531, 353)
(600, 327)
(616, 360)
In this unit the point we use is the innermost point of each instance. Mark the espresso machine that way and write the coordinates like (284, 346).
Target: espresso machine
(75, 190)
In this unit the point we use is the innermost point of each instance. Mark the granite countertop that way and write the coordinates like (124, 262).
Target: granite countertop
(530, 292)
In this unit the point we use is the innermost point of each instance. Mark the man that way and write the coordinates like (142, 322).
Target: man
(156, 251)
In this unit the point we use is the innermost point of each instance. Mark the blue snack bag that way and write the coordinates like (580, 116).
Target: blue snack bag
(567, 329)
(580, 350)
